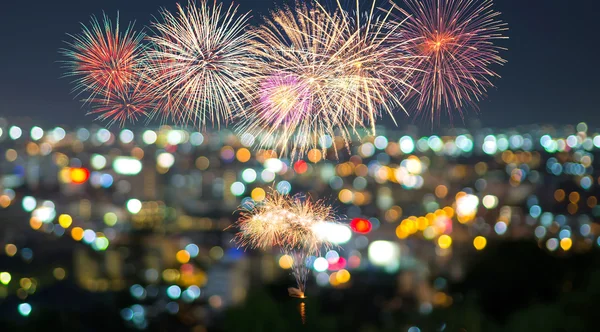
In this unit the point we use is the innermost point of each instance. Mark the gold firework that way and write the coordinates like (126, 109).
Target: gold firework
(199, 62)
(290, 223)
(321, 72)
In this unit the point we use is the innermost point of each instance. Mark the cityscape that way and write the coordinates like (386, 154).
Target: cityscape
(299, 165)
(137, 223)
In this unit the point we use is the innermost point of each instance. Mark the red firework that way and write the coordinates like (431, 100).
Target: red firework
(455, 40)
(123, 105)
(103, 58)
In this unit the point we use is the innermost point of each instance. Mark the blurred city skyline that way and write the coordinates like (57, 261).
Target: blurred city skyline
(142, 217)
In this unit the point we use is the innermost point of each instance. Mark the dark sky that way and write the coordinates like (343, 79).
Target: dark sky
(552, 75)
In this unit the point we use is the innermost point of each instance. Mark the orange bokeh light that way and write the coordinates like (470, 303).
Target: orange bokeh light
(79, 175)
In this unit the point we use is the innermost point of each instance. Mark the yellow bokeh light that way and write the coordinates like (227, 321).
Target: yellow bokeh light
(32, 149)
(572, 208)
(345, 196)
(559, 195)
(171, 275)
(286, 262)
(393, 214)
(566, 243)
(408, 226)
(441, 191)
(59, 273)
(344, 169)
(25, 283)
(202, 163)
(258, 194)
(479, 242)
(574, 197)
(343, 276)
(400, 233)
(359, 198)
(314, 155)
(110, 219)
(481, 168)
(423, 222)
(449, 211)
(11, 155)
(182, 256)
(78, 175)
(333, 279)
(10, 249)
(444, 241)
(65, 220)
(5, 278)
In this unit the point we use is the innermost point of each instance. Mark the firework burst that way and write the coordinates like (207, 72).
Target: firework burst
(199, 62)
(322, 72)
(290, 223)
(123, 105)
(375, 70)
(104, 59)
(456, 39)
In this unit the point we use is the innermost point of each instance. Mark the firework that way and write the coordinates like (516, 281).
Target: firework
(322, 73)
(456, 39)
(283, 98)
(376, 68)
(290, 223)
(104, 59)
(199, 62)
(123, 105)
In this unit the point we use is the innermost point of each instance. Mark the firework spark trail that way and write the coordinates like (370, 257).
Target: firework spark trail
(199, 62)
(456, 37)
(340, 72)
(376, 69)
(104, 59)
(288, 222)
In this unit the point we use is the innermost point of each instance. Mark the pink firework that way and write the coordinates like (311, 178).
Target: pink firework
(455, 39)
(103, 58)
(123, 105)
(284, 98)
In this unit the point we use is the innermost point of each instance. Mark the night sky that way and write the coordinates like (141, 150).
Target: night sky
(552, 75)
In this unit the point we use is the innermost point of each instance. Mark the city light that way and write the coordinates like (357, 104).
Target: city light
(334, 233)
(134, 206)
(400, 197)
(359, 225)
(384, 253)
(79, 175)
(25, 309)
(5, 278)
(127, 165)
